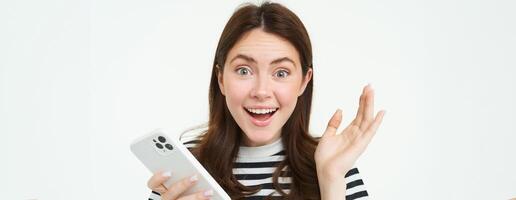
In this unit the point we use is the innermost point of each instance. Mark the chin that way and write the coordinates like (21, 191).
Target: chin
(259, 138)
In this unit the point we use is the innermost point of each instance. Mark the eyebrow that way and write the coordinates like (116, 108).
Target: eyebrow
(250, 59)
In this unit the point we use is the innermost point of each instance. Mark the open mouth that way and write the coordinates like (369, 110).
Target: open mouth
(261, 114)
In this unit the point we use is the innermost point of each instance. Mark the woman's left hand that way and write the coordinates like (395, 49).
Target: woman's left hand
(336, 153)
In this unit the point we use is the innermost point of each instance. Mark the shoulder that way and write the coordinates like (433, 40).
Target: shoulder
(193, 135)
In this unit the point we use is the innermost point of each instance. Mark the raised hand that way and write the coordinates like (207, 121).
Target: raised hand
(336, 153)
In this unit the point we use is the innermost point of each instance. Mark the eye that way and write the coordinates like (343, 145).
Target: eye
(243, 71)
(282, 73)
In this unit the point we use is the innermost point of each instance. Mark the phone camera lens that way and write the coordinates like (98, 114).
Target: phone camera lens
(169, 146)
(162, 139)
(159, 145)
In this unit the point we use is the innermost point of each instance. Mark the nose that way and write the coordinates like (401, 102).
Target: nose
(262, 88)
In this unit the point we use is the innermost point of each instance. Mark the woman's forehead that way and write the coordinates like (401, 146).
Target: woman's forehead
(263, 46)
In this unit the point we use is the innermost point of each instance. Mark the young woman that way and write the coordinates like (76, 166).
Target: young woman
(256, 144)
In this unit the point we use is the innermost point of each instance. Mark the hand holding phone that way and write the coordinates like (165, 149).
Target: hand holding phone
(161, 154)
(176, 190)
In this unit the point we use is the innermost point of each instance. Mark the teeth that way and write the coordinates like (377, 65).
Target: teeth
(261, 111)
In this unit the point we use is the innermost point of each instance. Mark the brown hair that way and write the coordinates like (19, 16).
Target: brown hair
(219, 145)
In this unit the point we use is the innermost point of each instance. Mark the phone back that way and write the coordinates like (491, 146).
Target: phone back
(160, 152)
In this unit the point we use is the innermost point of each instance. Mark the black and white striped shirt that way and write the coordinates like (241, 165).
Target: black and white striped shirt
(254, 166)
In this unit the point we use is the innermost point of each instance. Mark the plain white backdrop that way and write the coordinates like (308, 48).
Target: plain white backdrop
(79, 80)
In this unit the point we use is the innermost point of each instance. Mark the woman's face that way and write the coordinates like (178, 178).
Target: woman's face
(261, 81)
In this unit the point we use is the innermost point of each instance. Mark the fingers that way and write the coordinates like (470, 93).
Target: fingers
(352, 131)
(178, 188)
(371, 131)
(368, 108)
(155, 183)
(199, 195)
(334, 123)
(360, 113)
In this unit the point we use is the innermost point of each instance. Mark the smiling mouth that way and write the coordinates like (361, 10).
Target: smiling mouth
(261, 114)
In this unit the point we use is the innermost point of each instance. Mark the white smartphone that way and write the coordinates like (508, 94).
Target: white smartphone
(161, 151)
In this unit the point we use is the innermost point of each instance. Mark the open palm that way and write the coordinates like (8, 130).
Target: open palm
(336, 153)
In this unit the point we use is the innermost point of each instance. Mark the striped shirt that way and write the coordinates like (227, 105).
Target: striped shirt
(254, 166)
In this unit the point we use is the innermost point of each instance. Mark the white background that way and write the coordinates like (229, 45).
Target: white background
(79, 80)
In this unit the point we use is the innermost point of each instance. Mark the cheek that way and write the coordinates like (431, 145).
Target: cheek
(287, 95)
(236, 93)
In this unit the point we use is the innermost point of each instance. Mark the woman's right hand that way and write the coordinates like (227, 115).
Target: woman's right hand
(176, 190)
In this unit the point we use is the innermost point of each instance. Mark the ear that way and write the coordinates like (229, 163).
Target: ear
(306, 79)
(219, 78)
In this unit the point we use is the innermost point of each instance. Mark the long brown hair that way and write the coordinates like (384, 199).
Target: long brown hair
(219, 145)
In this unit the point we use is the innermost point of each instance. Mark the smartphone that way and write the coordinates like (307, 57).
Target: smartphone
(161, 151)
